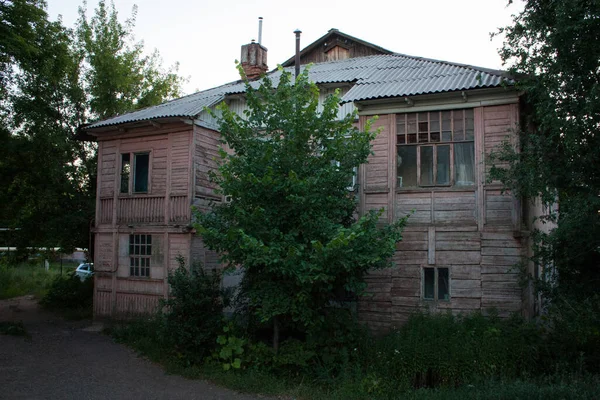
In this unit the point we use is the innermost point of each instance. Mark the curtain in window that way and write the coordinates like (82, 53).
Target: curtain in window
(464, 163)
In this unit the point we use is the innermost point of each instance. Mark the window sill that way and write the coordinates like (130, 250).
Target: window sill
(437, 189)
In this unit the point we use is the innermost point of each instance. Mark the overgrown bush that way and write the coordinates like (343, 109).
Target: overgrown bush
(433, 350)
(572, 329)
(70, 296)
(193, 314)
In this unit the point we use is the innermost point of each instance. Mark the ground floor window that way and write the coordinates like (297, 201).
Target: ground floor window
(436, 284)
(140, 252)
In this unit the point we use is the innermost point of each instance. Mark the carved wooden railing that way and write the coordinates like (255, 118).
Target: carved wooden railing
(145, 209)
(106, 211)
(141, 209)
(179, 210)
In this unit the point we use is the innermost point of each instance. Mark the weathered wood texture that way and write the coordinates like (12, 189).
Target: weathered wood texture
(470, 231)
(206, 155)
(347, 49)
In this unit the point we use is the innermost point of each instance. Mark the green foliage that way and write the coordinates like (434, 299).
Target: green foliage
(230, 349)
(551, 46)
(25, 279)
(192, 315)
(53, 80)
(445, 350)
(70, 296)
(13, 328)
(289, 218)
(118, 76)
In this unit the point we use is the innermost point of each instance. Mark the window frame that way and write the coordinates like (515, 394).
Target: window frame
(414, 118)
(436, 284)
(136, 255)
(132, 172)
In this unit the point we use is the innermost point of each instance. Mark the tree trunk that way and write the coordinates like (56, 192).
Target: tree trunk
(275, 334)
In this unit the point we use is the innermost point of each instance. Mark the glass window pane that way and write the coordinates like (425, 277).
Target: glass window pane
(412, 138)
(464, 164)
(469, 124)
(435, 136)
(443, 284)
(140, 181)
(446, 120)
(423, 137)
(459, 129)
(407, 166)
(443, 165)
(427, 165)
(401, 139)
(447, 136)
(400, 124)
(136, 239)
(412, 123)
(434, 121)
(428, 283)
(125, 169)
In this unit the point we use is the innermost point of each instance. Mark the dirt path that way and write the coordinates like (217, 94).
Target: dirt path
(65, 360)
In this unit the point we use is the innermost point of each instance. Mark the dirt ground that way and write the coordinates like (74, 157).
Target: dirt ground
(72, 360)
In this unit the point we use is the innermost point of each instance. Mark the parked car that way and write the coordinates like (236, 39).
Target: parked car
(85, 271)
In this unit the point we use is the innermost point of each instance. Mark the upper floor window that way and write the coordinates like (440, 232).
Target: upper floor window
(135, 181)
(436, 149)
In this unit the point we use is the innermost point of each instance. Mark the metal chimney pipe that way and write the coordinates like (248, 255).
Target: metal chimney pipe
(260, 30)
(297, 59)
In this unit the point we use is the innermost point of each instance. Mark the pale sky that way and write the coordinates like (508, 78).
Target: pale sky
(205, 36)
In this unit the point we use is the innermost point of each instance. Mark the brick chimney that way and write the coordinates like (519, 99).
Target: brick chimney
(254, 60)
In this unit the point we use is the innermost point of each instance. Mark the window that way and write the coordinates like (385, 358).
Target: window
(436, 284)
(138, 181)
(140, 251)
(436, 149)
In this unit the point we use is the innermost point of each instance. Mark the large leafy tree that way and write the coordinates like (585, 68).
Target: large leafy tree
(54, 80)
(289, 218)
(553, 47)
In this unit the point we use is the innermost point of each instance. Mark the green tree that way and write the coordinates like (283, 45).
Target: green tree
(53, 81)
(118, 77)
(289, 218)
(552, 46)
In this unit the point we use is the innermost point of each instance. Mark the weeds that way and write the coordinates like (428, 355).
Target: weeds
(26, 279)
(70, 296)
(13, 328)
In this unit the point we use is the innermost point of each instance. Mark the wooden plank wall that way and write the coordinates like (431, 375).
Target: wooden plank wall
(158, 213)
(471, 231)
(206, 154)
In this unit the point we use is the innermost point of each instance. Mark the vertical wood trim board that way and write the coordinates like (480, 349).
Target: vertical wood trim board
(168, 184)
(363, 176)
(431, 245)
(391, 209)
(480, 165)
(516, 209)
(99, 184)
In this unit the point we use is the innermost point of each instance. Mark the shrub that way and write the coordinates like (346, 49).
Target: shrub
(71, 296)
(13, 328)
(192, 317)
(444, 350)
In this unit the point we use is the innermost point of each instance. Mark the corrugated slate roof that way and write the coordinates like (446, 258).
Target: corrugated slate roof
(374, 77)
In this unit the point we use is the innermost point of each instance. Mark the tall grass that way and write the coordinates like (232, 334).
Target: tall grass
(26, 279)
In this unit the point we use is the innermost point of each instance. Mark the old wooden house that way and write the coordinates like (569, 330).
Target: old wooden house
(439, 121)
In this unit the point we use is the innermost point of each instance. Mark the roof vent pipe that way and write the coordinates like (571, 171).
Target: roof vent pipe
(259, 30)
(297, 59)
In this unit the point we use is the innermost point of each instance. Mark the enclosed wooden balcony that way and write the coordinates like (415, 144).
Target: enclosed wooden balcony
(144, 210)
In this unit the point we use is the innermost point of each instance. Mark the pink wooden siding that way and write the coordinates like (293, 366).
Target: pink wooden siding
(469, 231)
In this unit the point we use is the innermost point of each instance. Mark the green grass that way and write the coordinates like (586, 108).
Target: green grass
(26, 279)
